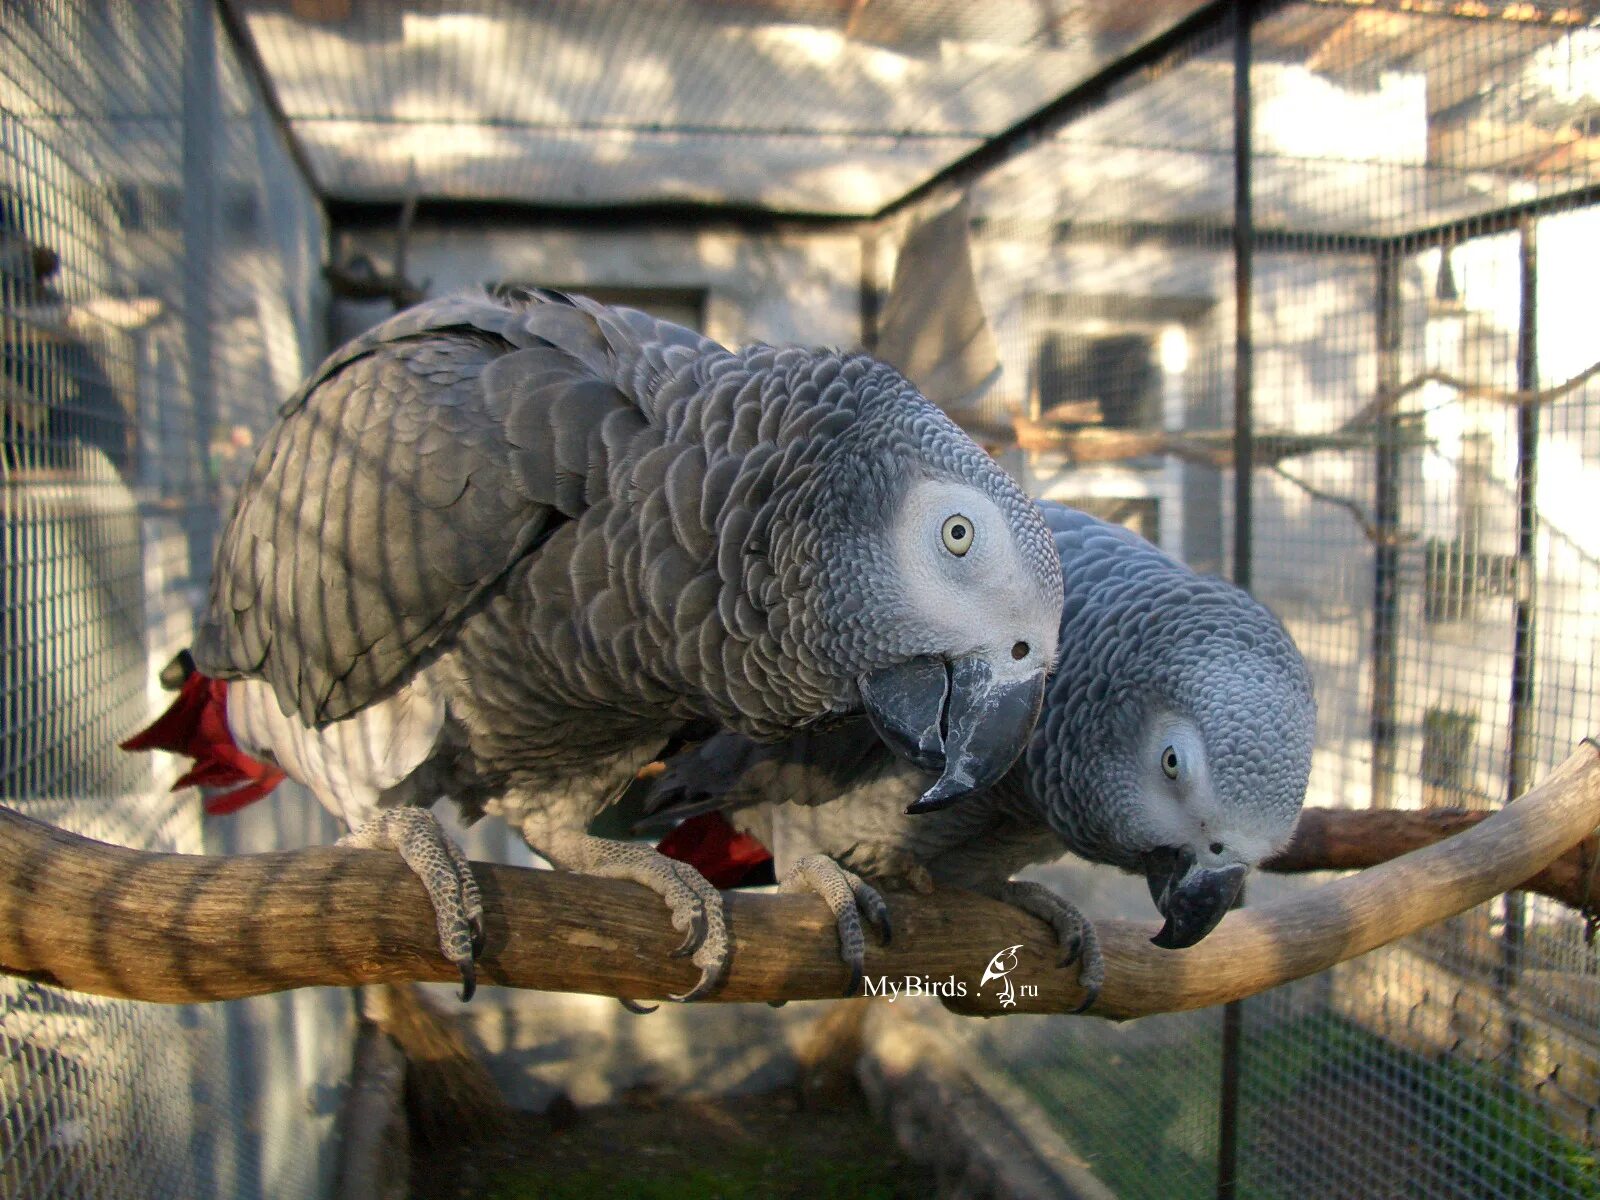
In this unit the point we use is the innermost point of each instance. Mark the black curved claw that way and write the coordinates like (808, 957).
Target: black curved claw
(476, 926)
(877, 914)
(710, 977)
(1090, 995)
(633, 1006)
(1071, 950)
(695, 935)
(469, 980)
(854, 986)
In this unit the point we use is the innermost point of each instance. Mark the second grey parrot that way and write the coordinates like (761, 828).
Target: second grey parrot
(504, 549)
(1175, 742)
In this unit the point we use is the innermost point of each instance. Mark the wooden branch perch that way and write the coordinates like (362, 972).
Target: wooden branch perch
(1082, 445)
(1388, 402)
(84, 915)
(1206, 447)
(1348, 839)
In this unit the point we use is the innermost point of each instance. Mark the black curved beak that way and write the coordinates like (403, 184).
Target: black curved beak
(954, 718)
(1192, 898)
(905, 704)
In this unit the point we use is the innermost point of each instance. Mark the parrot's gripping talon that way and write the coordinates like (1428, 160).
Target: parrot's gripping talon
(633, 1006)
(871, 905)
(694, 935)
(1071, 949)
(849, 898)
(1074, 933)
(446, 875)
(695, 905)
(710, 977)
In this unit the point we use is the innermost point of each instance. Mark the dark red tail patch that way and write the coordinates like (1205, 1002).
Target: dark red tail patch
(726, 857)
(196, 725)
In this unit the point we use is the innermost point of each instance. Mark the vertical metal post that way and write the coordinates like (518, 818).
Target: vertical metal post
(871, 298)
(201, 151)
(1386, 518)
(1519, 769)
(1243, 268)
(1243, 472)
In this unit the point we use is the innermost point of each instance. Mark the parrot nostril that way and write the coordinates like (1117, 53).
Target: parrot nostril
(1216, 847)
(1019, 651)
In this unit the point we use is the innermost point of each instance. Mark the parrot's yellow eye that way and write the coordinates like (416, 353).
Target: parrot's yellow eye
(1169, 763)
(957, 533)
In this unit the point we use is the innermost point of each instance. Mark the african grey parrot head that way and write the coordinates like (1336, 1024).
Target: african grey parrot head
(1178, 735)
(926, 582)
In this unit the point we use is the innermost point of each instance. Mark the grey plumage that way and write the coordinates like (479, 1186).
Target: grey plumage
(1175, 740)
(512, 545)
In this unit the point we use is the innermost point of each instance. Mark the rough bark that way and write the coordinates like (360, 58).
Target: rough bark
(84, 915)
(1348, 839)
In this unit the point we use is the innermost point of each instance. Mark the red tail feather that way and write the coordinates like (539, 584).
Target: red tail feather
(196, 725)
(714, 848)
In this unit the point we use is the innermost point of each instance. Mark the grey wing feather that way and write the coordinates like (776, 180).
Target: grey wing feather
(730, 771)
(414, 468)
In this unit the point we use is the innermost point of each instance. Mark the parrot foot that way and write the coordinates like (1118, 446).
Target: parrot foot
(695, 905)
(446, 874)
(850, 898)
(1079, 942)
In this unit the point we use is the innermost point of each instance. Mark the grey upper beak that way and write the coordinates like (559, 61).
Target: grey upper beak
(954, 718)
(1192, 898)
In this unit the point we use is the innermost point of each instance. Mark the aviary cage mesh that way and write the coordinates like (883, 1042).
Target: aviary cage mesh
(158, 297)
(1420, 236)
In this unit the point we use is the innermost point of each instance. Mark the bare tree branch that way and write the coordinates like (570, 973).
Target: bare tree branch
(1215, 447)
(1348, 839)
(1206, 447)
(1389, 402)
(84, 915)
(1369, 528)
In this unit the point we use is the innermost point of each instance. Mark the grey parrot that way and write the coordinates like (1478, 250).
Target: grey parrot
(1175, 742)
(503, 549)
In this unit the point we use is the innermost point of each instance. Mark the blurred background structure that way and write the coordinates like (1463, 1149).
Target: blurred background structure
(1304, 292)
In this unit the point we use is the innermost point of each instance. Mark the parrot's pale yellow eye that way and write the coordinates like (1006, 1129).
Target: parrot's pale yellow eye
(1169, 763)
(957, 534)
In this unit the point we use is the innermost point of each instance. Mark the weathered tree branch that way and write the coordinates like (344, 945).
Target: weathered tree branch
(164, 927)
(1348, 839)
(1086, 444)
(1388, 402)
(1206, 447)
(1369, 528)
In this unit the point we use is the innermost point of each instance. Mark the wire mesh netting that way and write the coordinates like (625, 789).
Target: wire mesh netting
(157, 294)
(1418, 359)
(1422, 249)
(793, 105)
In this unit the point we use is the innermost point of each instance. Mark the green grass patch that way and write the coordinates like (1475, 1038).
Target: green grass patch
(748, 1173)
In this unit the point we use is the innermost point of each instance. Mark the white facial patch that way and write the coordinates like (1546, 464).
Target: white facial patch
(1187, 811)
(966, 580)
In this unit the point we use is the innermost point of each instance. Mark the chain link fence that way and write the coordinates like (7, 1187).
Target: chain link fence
(158, 295)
